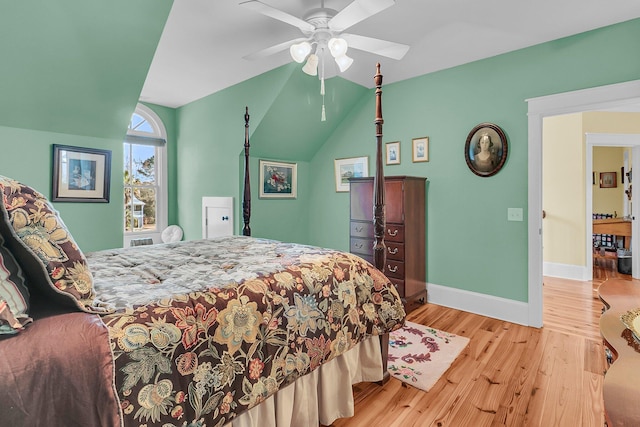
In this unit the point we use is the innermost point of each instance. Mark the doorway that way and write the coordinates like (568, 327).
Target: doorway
(600, 98)
(614, 140)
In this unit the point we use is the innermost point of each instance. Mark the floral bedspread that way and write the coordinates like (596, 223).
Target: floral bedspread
(206, 329)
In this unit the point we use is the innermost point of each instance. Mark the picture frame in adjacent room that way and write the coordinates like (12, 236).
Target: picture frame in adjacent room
(352, 167)
(420, 149)
(608, 179)
(80, 174)
(393, 153)
(278, 180)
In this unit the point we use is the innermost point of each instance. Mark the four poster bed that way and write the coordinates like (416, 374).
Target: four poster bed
(231, 331)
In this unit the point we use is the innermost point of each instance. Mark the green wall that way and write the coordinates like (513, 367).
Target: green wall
(27, 156)
(75, 66)
(471, 245)
(71, 73)
(210, 157)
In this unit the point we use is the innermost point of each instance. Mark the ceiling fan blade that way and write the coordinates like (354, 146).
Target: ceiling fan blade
(273, 49)
(357, 11)
(265, 9)
(379, 47)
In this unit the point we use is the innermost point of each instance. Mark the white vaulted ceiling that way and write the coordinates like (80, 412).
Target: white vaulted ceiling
(204, 41)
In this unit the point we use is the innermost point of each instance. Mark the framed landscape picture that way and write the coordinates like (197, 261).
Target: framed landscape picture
(278, 180)
(80, 174)
(352, 167)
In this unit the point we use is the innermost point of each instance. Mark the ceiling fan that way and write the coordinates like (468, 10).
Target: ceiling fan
(323, 31)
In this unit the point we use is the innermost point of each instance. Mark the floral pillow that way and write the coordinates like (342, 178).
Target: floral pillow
(43, 246)
(14, 295)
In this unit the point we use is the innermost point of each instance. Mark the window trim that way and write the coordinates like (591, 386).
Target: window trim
(162, 202)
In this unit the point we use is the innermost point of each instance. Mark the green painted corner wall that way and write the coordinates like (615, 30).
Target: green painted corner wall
(76, 67)
(210, 136)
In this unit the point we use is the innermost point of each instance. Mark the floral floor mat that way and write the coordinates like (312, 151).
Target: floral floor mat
(419, 355)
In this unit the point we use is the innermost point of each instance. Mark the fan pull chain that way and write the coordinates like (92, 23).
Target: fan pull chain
(323, 117)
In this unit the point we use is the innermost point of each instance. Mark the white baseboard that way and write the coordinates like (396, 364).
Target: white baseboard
(565, 271)
(484, 305)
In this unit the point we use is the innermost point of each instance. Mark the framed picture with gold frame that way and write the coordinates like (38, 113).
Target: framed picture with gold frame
(420, 149)
(393, 153)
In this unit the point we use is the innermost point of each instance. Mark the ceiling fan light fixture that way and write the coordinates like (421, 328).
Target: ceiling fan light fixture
(344, 62)
(337, 46)
(311, 67)
(299, 51)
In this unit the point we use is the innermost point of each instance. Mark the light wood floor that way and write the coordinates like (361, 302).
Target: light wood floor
(509, 374)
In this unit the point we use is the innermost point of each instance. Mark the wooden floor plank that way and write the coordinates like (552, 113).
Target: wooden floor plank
(508, 375)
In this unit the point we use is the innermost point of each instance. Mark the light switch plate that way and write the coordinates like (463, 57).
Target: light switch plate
(514, 214)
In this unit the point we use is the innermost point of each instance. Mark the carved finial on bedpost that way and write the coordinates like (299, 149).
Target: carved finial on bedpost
(379, 249)
(246, 202)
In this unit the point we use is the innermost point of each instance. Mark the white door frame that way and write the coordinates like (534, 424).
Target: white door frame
(610, 140)
(598, 98)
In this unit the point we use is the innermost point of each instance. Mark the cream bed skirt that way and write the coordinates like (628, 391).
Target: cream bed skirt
(321, 396)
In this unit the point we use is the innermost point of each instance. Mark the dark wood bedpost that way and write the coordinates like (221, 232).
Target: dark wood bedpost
(379, 248)
(246, 201)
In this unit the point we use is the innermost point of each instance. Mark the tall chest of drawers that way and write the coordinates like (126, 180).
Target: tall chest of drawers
(405, 205)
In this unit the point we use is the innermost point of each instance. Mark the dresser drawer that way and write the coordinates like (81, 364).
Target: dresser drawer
(394, 233)
(361, 229)
(394, 269)
(395, 251)
(361, 246)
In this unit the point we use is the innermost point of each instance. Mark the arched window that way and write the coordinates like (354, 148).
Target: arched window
(145, 180)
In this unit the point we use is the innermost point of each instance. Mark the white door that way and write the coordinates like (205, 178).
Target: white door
(217, 217)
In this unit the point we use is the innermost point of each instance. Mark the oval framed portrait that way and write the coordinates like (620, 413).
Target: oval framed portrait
(486, 149)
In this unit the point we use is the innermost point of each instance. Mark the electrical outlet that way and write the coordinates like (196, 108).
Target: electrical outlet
(514, 214)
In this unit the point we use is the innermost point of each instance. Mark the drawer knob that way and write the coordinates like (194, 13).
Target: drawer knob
(359, 229)
(358, 245)
(392, 251)
(392, 269)
(392, 233)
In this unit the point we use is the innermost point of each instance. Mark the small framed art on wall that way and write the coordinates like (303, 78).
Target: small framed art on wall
(80, 174)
